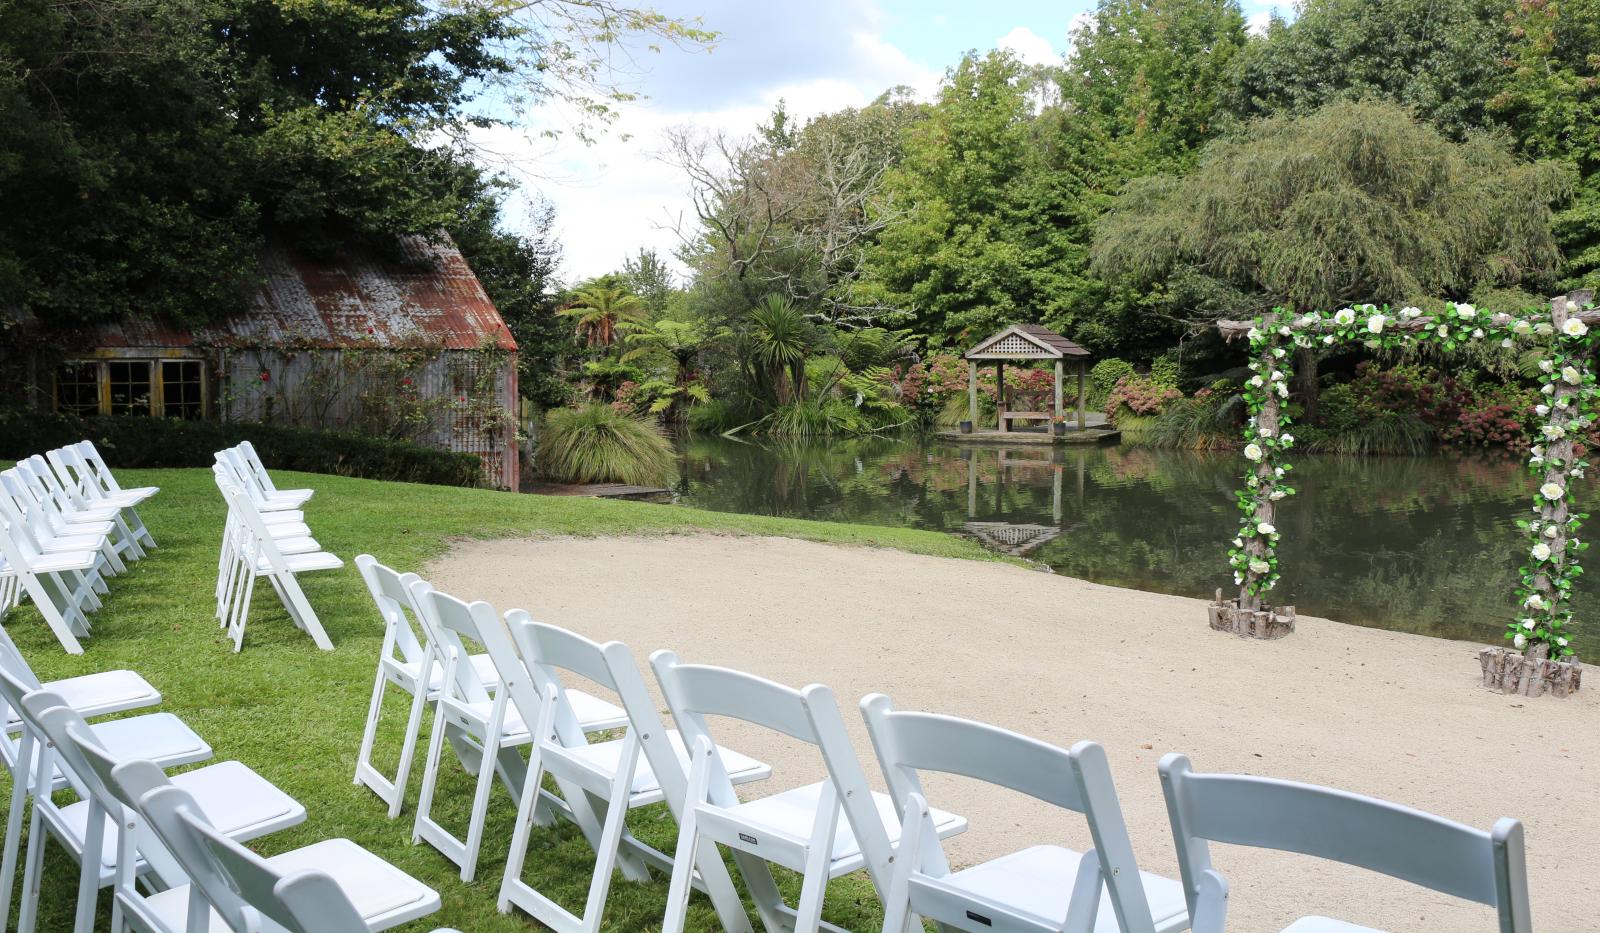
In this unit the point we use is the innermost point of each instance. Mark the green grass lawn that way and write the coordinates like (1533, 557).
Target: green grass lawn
(295, 714)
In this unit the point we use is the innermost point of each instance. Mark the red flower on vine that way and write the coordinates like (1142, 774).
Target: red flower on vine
(266, 376)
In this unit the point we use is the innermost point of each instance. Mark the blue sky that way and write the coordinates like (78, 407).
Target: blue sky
(617, 195)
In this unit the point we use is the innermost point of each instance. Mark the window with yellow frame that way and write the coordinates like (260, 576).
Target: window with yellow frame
(162, 388)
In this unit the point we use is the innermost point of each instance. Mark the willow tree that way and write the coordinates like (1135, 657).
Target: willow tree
(1356, 202)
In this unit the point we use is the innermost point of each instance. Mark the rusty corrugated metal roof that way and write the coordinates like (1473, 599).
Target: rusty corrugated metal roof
(429, 298)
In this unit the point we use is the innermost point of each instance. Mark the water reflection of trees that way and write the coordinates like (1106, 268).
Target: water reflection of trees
(1412, 544)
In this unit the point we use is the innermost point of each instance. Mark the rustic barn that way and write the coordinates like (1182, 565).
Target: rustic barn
(406, 346)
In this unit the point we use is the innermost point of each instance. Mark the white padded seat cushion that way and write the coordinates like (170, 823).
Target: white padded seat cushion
(1038, 880)
(792, 812)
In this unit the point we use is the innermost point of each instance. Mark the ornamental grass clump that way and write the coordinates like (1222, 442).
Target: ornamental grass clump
(598, 444)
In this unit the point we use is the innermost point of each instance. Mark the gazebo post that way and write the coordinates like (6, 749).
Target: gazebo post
(1000, 394)
(1083, 399)
(972, 392)
(1058, 397)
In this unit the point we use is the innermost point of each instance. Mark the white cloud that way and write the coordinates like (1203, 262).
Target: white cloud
(1258, 21)
(1029, 46)
(617, 195)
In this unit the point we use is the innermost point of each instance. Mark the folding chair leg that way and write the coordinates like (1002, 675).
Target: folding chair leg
(33, 864)
(308, 616)
(477, 817)
(89, 869)
(13, 842)
(688, 842)
(392, 792)
(242, 613)
(897, 915)
(47, 607)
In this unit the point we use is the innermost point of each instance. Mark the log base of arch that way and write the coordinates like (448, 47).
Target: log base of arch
(1512, 672)
(1266, 622)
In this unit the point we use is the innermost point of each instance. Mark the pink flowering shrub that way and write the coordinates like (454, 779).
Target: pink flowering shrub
(1140, 395)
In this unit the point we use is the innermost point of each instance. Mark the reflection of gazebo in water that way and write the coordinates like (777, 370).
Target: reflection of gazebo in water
(1016, 538)
(1029, 342)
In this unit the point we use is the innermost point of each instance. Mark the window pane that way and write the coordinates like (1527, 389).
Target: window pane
(180, 388)
(130, 387)
(78, 388)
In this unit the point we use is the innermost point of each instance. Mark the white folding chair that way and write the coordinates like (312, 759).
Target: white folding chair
(256, 553)
(1039, 889)
(485, 728)
(107, 482)
(71, 515)
(243, 803)
(798, 829)
(161, 736)
(54, 534)
(62, 585)
(402, 661)
(607, 777)
(255, 482)
(89, 488)
(233, 889)
(1388, 838)
(286, 527)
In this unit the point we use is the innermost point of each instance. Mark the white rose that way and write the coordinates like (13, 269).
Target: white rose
(1551, 532)
(1542, 409)
(1541, 551)
(1256, 381)
(1252, 452)
(1574, 327)
(1328, 340)
(1276, 494)
(1284, 331)
(1554, 431)
(1266, 528)
(1505, 344)
(1259, 566)
(1528, 624)
(1520, 642)
(1306, 320)
(1375, 323)
(1544, 328)
(1466, 310)
(1238, 542)
(1265, 432)
(1548, 389)
(1522, 327)
(1546, 366)
(1552, 491)
(1571, 376)
(1276, 376)
(1444, 330)
(1477, 333)
(1279, 352)
(1283, 390)
(1279, 471)
(1535, 601)
(1287, 440)
(1371, 344)
(1561, 642)
(1238, 578)
(1253, 334)
(1562, 403)
(1344, 317)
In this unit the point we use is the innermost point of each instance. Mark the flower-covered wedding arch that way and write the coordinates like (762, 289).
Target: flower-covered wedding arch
(1540, 656)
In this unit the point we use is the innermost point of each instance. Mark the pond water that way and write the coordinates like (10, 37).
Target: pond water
(1415, 544)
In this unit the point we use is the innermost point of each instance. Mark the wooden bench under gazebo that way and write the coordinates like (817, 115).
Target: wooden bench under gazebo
(1030, 342)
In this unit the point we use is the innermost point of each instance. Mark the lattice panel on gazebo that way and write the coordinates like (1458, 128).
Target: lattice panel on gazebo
(1021, 346)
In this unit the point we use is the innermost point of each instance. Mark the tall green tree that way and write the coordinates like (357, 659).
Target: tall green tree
(1440, 58)
(602, 313)
(1355, 202)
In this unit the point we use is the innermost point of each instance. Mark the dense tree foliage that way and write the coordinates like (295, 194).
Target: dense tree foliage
(148, 146)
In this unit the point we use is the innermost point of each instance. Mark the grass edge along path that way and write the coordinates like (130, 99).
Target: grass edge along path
(295, 714)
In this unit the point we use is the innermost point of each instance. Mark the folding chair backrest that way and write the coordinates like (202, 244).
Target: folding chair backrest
(18, 505)
(243, 510)
(447, 621)
(390, 591)
(88, 767)
(612, 667)
(1384, 837)
(694, 691)
(252, 462)
(174, 816)
(1079, 780)
(97, 465)
(16, 681)
(317, 903)
(37, 469)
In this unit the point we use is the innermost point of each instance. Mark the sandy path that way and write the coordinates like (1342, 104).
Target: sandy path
(1397, 716)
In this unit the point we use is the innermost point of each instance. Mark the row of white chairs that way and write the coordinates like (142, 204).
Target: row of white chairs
(490, 705)
(169, 847)
(68, 525)
(264, 536)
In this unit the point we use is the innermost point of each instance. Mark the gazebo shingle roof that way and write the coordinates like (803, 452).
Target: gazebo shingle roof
(1019, 342)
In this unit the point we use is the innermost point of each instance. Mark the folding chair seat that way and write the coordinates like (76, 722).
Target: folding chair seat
(1388, 838)
(255, 483)
(600, 781)
(800, 828)
(158, 735)
(485, 729)
(247, 451)
(103, 475)
(95, 830)
(78, 476)
(250, 551)
(1040, 888)
(333, 886)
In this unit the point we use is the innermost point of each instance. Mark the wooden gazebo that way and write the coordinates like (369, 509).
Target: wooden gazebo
(1026, 342)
